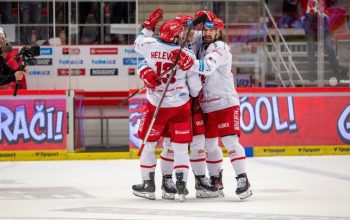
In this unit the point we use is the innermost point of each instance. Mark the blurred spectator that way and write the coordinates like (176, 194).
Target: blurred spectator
(63, 37)
(6, 12)
(30, 14)
(290, 17)
(122, 13)
(86, 9)
(310, 23)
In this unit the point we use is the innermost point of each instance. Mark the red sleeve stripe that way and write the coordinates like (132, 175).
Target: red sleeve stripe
(145, 166)
(167, 159)
(181, 166)
(238, 158)
(215, 161)
(198, 160)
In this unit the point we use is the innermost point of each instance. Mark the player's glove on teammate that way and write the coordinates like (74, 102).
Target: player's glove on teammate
(185, 61)
(150, 78)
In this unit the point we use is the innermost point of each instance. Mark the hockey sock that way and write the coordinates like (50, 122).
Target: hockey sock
(236, 153)
(197, 155)
(181, 159)
(148, 160)
(167, 158)
(214, 156)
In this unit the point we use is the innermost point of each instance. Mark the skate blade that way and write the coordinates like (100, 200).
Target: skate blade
(206, 194)
(245, 194)
(182, 197)
(146, 195)
(168, 196)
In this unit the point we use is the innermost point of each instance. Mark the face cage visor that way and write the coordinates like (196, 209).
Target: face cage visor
(209, 24)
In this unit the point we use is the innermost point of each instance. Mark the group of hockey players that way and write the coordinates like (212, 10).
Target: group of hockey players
(200, 105)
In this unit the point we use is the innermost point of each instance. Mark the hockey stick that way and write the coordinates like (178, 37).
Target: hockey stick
(142, 88)
(203, 18)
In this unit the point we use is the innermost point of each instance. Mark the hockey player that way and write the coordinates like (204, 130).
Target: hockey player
(197, 152)
(174, 112)
(203, 187)
(220, 103)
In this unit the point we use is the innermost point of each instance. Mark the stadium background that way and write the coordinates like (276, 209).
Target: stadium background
(87, 66)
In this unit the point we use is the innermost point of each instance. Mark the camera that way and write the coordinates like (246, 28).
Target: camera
(28, 54)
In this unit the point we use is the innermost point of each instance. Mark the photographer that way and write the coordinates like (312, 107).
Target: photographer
(8, 66)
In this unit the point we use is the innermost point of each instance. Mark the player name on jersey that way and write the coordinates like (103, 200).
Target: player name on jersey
(160, 55)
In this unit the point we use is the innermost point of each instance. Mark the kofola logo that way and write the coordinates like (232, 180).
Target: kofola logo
(103, 51)
(46, 51)
(103, 72)
(70, 51)
(71, 72)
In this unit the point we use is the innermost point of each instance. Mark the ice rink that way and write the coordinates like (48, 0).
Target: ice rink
(312, 188)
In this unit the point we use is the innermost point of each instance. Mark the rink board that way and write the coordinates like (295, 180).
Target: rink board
(274, 122)
(250, 152)
(282, 121)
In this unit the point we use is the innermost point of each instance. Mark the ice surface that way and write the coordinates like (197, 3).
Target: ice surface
(313, 188)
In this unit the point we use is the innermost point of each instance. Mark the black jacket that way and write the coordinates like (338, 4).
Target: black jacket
(7, 75)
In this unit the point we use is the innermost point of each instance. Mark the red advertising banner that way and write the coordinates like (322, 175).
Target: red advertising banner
(33, 123)
(295, 120)
(282, 117)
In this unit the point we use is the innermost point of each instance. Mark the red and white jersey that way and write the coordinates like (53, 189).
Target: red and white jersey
(218, 84)
(157, 57)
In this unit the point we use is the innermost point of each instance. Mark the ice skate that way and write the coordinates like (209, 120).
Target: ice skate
(168, 187)
(243, 186)
(204, 189)
(146, 189)
(216, 181)
(181, 186)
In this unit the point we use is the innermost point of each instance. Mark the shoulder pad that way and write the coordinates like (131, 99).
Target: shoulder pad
(149, 40)
(218, 45)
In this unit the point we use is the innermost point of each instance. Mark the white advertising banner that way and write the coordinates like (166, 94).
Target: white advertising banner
(94, 67)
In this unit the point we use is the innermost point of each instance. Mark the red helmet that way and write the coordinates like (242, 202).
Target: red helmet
(216, 24)
(169, 30)
(211, 16)
(184, 19)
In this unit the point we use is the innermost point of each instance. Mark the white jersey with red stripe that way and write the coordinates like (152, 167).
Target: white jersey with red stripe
(157, 57)
(218, 84)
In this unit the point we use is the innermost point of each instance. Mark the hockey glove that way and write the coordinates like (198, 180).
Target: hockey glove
(153, 19)
(185, 61)
(150, 78)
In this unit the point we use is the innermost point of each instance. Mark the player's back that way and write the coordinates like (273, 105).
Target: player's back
(157, 56)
